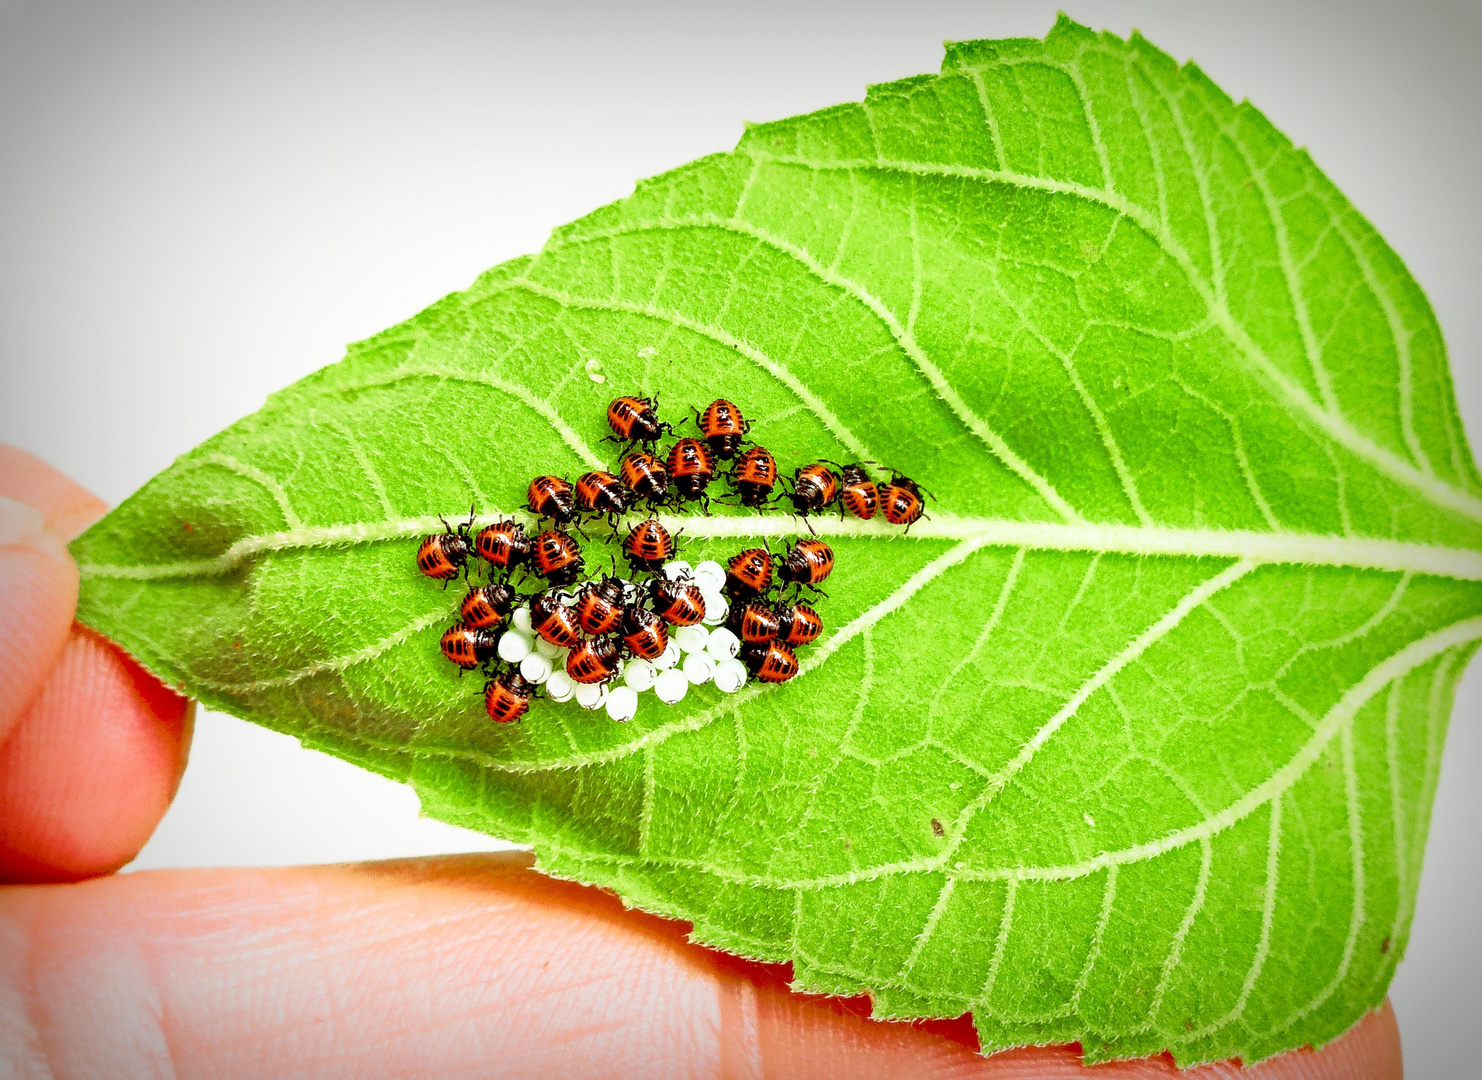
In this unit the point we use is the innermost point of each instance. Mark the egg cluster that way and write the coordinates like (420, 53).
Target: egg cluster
(705, 652)
(604, 640)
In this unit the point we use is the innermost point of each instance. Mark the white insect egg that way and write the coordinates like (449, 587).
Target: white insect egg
(722, 644)
(549, 651)
(514, 646)
(716, 608)
(520, 620)
(690, 638)
(709, 575)
(536, 668)
(622, 703)
(677, 569)
(591, 695)
(669, 658)
(560, 686)
(671, 686)
(640, 675)
(698, 668)
(730, 676)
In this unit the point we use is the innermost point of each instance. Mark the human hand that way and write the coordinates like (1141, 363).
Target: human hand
(439, 967)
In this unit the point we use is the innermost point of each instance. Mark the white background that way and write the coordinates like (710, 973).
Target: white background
(202, 203)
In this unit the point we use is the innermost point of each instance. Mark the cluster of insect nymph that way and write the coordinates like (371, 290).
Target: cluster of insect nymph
(668, 625)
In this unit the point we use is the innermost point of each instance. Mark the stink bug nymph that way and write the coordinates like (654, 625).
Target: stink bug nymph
(753, 622)
(678, 603)
(749, 573)
(644, 632)
(635, 420)
(900, 501)
(648, 545)
(487, 605)
(691, 466)
(469, 646)
(645, 477)
(814, 487)
(503, 545)
(555, 622)
(723, 427)
(601, 493)
(808, 562)
(599, 607)
(859, 496)
(507, 697)
(772, 662)
(442, 556)
(594, 660)
(755, 475)
(798, 624)
(552, 497)
(557, 557)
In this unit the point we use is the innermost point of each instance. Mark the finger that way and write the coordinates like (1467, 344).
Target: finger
(91, 766)
(40, 509)
(38, 593)
(457, 968)
(68, 507)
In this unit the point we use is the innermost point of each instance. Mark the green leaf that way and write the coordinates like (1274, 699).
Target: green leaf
(1132, 742)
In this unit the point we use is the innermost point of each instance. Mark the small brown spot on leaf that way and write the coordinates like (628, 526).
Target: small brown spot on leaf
(1384, 945)
(1188, 1025)
(237, 644)
(936, 827)
(848, 845)
(187, 526)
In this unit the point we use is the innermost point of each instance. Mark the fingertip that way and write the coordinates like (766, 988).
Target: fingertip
(91, 766)
(67, 506)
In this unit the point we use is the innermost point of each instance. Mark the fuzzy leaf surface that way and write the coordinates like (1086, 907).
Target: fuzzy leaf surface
(1132, 742)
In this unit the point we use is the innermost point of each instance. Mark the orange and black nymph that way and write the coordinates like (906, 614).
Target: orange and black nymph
(503, 545)
(690, 466)
(859, 497)
(552, 497)
(635, 420)
(772, 662)
(555, 622)
(507, 697)
(487, 605)
(754, 476)
(749, 573)
(644, 477)
(807, 562)
(678, 603)
(602, 494)
(557, 557)
(595, 660)
(644, 633)
(599, 606)
(648, 545)
(723, 427)
(814, 487)
(469, 646)
(442, 556)
(798, 625)
(900, 501)
(753, 622)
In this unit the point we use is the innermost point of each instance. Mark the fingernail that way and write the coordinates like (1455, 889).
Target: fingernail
(25, 525)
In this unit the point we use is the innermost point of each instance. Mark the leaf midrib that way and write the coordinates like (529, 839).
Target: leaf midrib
(1265, 548)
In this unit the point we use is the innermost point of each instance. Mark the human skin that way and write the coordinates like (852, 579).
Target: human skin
(450, 967)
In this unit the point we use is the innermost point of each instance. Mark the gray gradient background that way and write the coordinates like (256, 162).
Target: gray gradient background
(201, 203)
